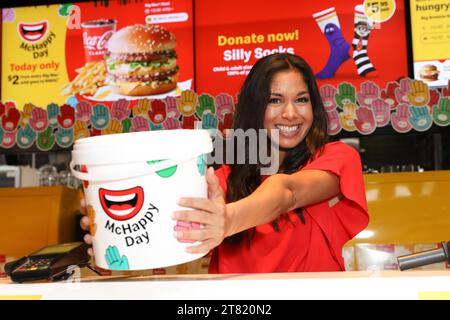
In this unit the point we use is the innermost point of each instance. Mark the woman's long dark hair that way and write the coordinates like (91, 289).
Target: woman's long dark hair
(250, 111)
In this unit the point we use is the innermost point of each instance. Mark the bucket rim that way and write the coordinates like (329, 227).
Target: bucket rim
(142, 146)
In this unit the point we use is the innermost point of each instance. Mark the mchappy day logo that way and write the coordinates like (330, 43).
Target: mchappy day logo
(36, 37)
(122, 204)
(33, 32)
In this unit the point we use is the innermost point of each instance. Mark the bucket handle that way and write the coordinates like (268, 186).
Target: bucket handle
(137, 169)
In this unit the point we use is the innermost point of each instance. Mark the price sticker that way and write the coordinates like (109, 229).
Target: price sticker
(379, 11)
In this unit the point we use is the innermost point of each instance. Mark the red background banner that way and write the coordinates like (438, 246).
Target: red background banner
(293, 28)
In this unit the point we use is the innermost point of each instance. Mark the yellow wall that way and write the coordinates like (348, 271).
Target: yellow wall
(410, 207)
(31, 218)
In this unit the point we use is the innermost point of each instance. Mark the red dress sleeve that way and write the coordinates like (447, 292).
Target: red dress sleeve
(349, 216)
(222, 174)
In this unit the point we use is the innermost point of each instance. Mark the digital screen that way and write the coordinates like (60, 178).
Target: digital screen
(59, 248)
(430, 26)
(67, 53)
(343, 41)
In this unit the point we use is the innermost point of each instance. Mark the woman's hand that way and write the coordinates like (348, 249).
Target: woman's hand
(85, 224)
(209, 213)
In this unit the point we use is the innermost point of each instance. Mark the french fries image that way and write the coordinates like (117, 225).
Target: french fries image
(90, 77)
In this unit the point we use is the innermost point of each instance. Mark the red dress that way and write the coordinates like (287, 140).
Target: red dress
(311, 247)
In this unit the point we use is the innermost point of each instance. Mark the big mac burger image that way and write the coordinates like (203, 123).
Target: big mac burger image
(142, 60)
(428, 73)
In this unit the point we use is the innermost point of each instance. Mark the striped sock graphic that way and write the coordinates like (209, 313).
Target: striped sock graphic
(326, 16)
(359, 43)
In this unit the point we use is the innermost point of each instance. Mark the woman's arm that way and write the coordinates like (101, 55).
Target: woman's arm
(279, 194)
(276, 195)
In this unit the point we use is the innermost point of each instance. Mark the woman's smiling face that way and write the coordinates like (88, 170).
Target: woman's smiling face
(289, 109)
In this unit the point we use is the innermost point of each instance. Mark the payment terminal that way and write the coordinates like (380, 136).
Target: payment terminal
(55, 262)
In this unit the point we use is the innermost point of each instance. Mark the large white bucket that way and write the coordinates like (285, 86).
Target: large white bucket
(132, 182)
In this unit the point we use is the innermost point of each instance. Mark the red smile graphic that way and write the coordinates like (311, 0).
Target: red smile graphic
(122, 204)
(33, 32)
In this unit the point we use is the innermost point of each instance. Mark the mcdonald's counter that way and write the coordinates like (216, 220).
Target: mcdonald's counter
(409, 213)
(408, 285)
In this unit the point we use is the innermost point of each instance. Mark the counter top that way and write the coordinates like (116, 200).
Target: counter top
(280, 286)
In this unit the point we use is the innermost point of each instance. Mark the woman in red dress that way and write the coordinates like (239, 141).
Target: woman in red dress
(298, 219)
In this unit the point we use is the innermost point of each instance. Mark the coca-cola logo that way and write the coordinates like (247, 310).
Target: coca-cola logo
(96, 42)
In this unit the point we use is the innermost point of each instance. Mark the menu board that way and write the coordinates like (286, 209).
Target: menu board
(85, 51)
(344, 41)
(430, 26)
(111, 57)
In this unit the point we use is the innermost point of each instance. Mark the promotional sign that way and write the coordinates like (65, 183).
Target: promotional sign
(84, 51)
(431, 41)
(84, 69)
(343, 41)
(33, 55)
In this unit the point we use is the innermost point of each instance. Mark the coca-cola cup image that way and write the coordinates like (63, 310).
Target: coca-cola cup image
(96, 34)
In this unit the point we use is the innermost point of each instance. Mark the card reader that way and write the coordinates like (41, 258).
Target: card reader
(55, 262)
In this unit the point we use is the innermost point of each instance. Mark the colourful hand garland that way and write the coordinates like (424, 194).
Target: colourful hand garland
(405, 105)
